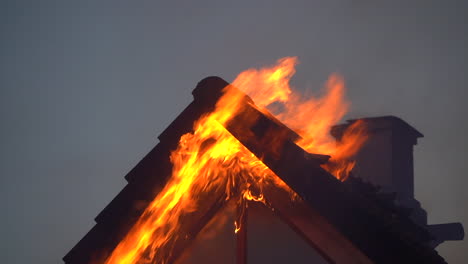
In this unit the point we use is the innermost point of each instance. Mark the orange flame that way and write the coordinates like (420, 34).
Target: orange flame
(310, 117)
(210, 158)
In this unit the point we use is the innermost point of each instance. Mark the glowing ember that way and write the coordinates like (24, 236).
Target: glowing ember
(211, 159)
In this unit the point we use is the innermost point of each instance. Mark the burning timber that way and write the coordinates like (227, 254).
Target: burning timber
(344, 225)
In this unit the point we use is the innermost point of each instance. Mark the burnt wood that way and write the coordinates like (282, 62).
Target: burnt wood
(241, 235)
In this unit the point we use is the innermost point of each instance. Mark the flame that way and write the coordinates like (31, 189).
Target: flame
(211, 159)
(310, 117)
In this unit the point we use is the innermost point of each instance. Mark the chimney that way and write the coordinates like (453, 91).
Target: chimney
(386, 160)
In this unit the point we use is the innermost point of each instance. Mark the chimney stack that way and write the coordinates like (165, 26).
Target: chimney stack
(386, 160)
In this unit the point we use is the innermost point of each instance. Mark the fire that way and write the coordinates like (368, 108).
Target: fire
(310, 117)
(211, 160)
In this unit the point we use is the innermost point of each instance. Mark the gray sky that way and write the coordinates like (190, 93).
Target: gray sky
(87, 86)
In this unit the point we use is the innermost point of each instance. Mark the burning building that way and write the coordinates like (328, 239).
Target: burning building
(348, 193)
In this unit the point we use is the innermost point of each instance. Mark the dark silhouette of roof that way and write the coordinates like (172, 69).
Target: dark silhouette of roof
(375, 228)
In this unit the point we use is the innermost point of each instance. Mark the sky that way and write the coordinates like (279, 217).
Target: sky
(87, 86)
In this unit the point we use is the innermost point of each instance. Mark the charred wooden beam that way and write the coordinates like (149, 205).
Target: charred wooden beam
(241, 233)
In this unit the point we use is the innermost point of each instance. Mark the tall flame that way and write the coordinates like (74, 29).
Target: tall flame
(310, 117)
(210, 158)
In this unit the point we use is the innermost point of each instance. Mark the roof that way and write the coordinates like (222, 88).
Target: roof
(372, 230)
